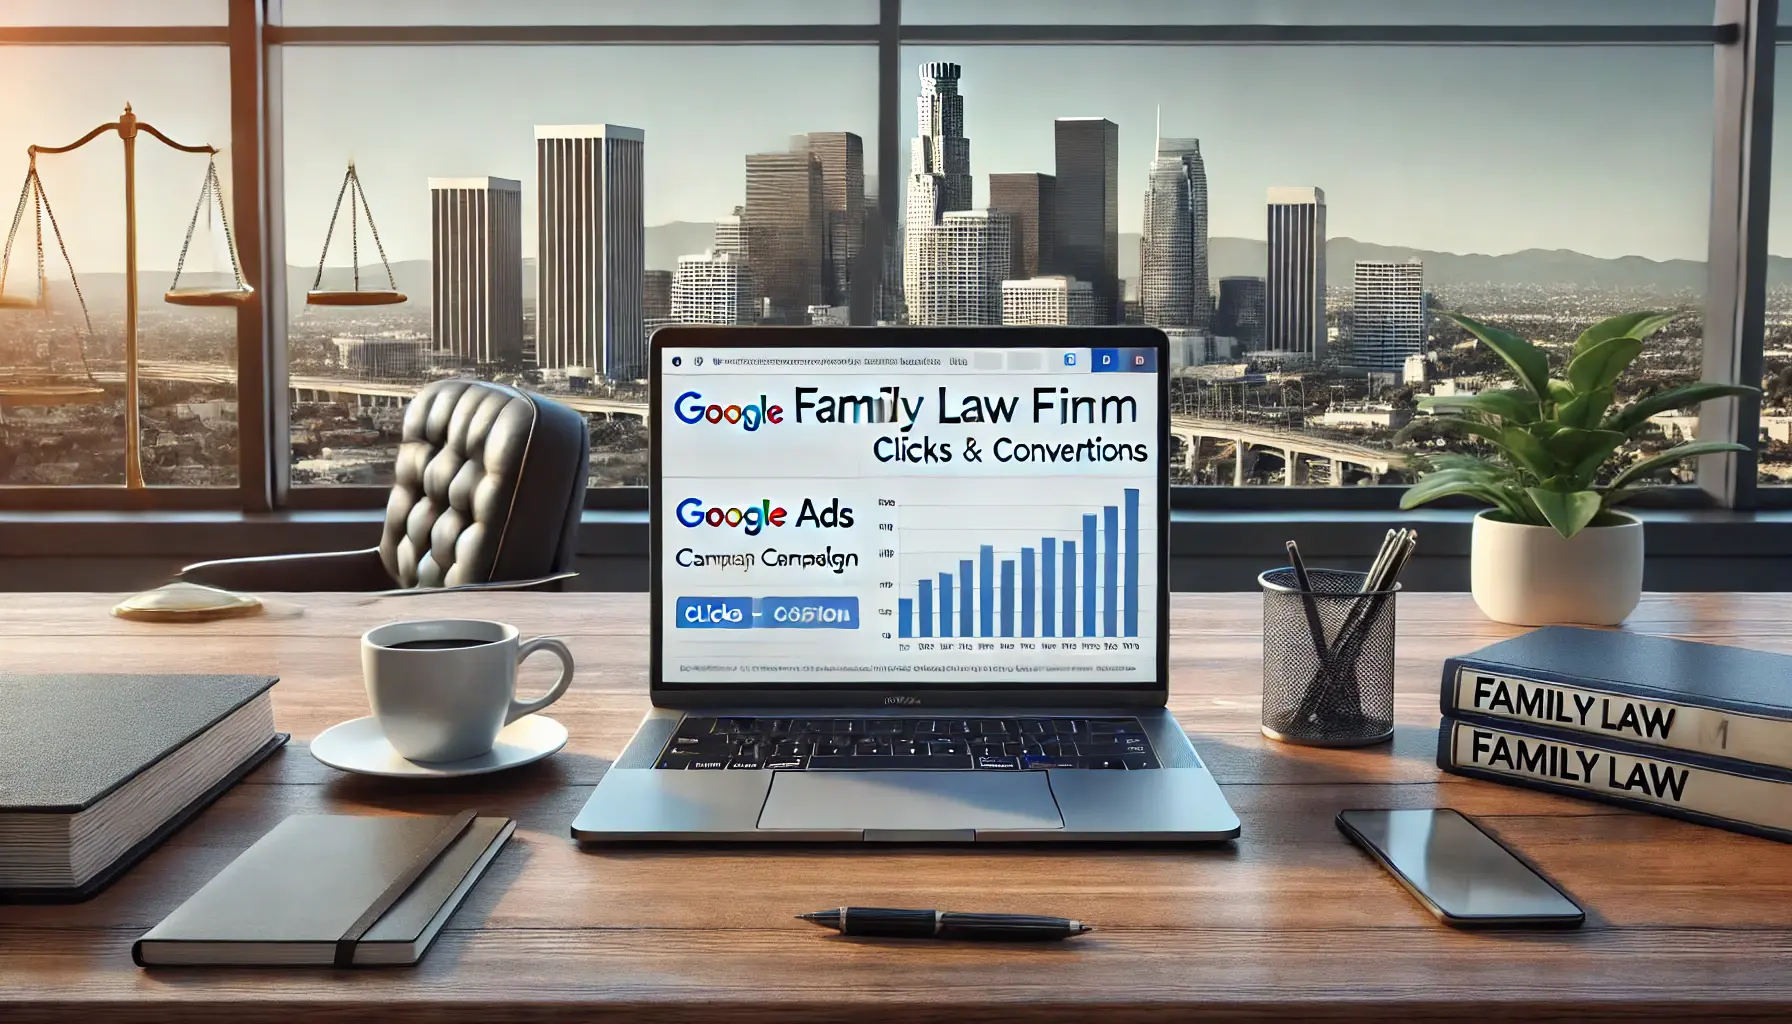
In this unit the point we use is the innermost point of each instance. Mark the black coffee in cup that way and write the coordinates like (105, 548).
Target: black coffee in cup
(434, 645)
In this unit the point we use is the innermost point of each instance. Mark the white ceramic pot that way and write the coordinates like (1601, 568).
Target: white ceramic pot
(1533, 576)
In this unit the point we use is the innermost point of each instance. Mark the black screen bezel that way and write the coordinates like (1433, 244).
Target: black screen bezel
(797, 693)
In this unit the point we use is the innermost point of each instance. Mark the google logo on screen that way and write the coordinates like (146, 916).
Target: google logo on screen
(751, 519)
(690, 408)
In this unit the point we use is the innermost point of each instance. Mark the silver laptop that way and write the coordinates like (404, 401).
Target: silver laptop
(909, 584)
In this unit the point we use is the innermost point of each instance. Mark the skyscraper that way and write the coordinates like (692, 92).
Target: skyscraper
(785, 231)
(1388, 311)
(1087, 223)
(842, 158)
(1240, 312)
(656, 297)
(593, 250)
(961, 264)
(731, 236)
(711, 289)
(1048, 300)
(1173, 285)
(1028, 199)
(476, 268)
(940, 156)
(1294, 306)
(953, 259)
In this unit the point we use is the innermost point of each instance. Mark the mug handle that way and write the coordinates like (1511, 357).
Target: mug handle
(519, 708)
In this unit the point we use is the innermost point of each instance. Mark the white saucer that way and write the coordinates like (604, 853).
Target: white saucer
(360, 746)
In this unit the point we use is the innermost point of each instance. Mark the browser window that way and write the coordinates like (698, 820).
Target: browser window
(872, 514)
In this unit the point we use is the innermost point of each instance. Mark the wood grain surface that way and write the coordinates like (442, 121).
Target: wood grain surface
(1289, 921)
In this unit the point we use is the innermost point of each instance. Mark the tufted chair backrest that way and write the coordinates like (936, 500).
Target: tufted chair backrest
(489, 485)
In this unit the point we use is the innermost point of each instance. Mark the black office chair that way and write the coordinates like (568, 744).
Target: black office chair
(487, 492)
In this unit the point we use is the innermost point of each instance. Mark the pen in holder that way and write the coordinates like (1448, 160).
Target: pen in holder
(1328, 658)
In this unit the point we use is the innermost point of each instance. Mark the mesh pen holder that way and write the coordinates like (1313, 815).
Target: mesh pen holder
(1345, 699)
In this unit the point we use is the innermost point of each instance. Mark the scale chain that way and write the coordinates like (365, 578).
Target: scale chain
(330, 232)
(373, 228)
(213, 189)
(18, 215)
(62, 246)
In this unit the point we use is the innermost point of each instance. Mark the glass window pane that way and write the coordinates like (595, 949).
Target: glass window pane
(1308, 12)
(562, 12)
(1775, 453)
(1510, 210)
(728, 138)
(62, 388)
(114, 12)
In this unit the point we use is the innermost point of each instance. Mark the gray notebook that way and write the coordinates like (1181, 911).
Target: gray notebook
(331, 889)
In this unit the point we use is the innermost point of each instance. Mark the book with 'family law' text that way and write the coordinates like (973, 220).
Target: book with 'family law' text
(1723, 702)
(1706, 790)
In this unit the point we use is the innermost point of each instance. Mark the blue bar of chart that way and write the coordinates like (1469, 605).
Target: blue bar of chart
(1084, 585)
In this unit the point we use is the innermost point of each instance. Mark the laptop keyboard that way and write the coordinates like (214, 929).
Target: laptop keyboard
(908, 744)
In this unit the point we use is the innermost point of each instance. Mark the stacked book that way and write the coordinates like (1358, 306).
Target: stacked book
(97, 770)
(1690, 730)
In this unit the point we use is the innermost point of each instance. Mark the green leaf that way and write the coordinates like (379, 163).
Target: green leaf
(1600, 365)
(1567, 512)
(1468, 483)
(1586, 409)
(1641, 470)
(1517, 406)
(1560, 391)
(1584, 451)
(1624, 325)
(1525, 358)
(1473, 428)
(1634, 414)
(1528, 452)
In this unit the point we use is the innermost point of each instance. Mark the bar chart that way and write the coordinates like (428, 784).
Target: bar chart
(1079, 582)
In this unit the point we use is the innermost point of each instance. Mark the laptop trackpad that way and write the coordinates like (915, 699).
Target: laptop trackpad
(910, 801)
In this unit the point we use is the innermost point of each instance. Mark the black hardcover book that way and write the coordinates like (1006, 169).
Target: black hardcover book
(97, 770)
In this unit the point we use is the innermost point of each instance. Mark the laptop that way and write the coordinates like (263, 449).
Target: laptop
(908, 585)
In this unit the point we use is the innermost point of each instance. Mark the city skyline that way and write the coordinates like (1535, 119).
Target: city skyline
(1669, 181)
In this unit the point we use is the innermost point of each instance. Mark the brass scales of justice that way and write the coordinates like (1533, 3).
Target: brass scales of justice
(52, 388)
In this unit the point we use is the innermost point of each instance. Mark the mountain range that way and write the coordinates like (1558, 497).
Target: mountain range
(1547, 268)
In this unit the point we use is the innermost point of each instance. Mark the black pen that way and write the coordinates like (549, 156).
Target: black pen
(939, 924)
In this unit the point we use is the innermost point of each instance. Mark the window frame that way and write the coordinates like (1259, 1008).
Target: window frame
(1743, 36)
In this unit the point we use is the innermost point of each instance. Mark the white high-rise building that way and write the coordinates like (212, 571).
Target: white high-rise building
(1294, 299)
(1388, 311)
(593, 250)
(960, 264)
(1049, 300)
(730, 235)
(476, 268)
(1173, 284)
(939, 183)
(954, 259)
(711, 289)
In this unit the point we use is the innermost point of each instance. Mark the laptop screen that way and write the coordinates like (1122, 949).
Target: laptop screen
(859, 514)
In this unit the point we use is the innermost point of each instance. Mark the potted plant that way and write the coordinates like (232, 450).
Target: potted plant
(1552, 548)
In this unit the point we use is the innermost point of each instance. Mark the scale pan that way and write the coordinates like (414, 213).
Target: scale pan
(21, 302)
(369, 297)
(209, 296)
(19, 394)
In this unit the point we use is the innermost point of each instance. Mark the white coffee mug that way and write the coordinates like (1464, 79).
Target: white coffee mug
(442, 689)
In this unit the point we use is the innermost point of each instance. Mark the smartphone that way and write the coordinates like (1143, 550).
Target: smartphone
(1466, 877)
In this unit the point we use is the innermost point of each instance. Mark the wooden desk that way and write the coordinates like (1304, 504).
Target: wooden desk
(1288, 921)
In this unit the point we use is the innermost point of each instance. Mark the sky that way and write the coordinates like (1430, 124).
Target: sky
(1466, 149)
